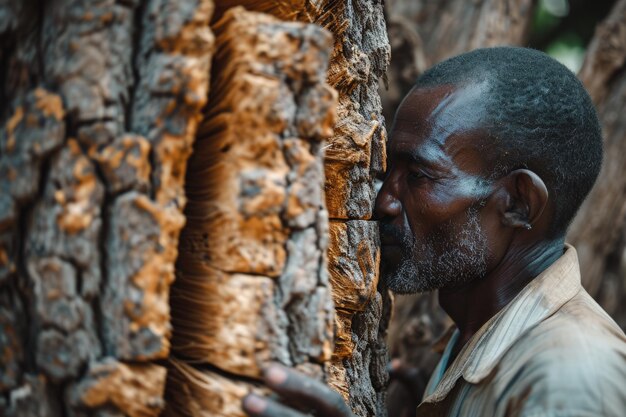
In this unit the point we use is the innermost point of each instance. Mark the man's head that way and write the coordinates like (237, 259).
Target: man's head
(486, 144)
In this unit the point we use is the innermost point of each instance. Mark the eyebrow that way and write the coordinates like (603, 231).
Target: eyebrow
(416, 158)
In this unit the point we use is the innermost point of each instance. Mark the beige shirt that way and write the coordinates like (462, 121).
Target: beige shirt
(551, 352)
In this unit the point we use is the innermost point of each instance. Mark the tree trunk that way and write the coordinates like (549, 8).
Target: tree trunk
(599, 230)
(252, 284)
(354, 156)
(104, 102)
(105, 98)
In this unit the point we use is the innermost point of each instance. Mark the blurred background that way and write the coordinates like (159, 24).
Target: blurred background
(100, 102)
(564, 28)
(424, 32)
(590, 39)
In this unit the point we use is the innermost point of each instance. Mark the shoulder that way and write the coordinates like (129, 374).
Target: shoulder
(572, 360)
(580, 329)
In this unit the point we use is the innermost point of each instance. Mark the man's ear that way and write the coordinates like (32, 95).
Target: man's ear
(526, 198)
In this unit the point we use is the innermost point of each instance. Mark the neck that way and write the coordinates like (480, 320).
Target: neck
(472, 305)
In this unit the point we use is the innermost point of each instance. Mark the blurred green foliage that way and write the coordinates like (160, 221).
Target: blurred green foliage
(563, 28)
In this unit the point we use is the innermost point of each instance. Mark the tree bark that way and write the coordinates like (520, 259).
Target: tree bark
(599, 230)
(105, 98)
(252, 282)
(104, 102)
(354, 156)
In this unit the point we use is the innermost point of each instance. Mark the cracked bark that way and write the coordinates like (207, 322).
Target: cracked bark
(91, 198)
(106, 98)
(252, 284)
(355, 156)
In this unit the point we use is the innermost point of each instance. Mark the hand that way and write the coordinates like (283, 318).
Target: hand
(295, 388)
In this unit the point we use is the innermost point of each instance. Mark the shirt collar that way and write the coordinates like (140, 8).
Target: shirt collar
(541, 298)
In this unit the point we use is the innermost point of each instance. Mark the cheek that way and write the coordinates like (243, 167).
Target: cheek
(428, 212)
(497, 238)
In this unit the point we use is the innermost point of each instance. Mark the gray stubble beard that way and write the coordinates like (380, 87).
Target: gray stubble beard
(422, 269)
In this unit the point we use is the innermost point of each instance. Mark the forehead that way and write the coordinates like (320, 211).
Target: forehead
(443, 124)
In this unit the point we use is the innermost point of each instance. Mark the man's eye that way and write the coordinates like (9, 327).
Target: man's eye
(415, 175)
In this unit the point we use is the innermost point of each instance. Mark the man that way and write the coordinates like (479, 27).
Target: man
(491, 155)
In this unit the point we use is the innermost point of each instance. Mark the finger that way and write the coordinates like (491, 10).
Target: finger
(256, 406)
(312, 394)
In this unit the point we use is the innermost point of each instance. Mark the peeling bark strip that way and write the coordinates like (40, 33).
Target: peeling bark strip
(34, 130)
(91, 194)
(252, 284)
(355, 155)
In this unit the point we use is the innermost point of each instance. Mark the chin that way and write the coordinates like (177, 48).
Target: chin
(404, 285)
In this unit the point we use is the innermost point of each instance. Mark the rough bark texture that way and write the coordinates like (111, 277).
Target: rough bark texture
(422, 33)
(104, 102)
(355, 155)
(105, 98)
(252, 283)
(599, 230)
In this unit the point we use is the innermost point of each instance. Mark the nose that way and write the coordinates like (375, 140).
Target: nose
(387, 204)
